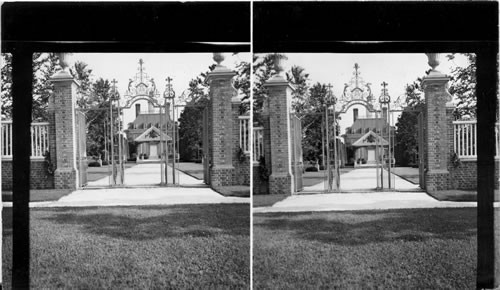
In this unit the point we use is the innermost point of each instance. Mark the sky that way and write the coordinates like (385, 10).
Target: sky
(395, 69)
(181, 67)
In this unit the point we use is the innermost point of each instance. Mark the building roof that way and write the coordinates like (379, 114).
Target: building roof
(370, 139)
(152, 118)
(364, 123)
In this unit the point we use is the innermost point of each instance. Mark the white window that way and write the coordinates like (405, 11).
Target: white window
(258, 143)
(244, 133)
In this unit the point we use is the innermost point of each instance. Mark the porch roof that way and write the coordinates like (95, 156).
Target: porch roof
(370, 139)
(152, 135)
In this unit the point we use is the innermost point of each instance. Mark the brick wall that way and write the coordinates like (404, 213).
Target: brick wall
(39, 178)
(464, 176)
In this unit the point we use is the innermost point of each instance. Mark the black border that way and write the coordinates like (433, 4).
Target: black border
(353, 27)
(126, 26)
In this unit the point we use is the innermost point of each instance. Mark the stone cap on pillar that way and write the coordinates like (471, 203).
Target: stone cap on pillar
(220, 71)
(63, 76)
(278, 80)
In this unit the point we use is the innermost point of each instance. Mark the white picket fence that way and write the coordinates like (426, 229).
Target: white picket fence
(39, 139)
(465, 139)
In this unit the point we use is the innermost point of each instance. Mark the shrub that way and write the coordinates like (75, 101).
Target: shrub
(321, 167)
(94, 164)
(312, 169)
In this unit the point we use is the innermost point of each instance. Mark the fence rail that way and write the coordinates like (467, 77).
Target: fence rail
(465, 139)
(39, 139)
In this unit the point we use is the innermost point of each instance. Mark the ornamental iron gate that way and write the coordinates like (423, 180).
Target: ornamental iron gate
(81, 150)
(384, 153)
(206, 139)
(114, 145)
(296, 148)
(422, 142)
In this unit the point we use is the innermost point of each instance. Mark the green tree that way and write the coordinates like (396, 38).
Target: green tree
(406, 137)
(191, 119)
(81, 72)
(463, 87)
(97, 115)
(299, 79)
(264, 67)
(6, 86)
(242, 84)
(313, 126)
(44, 65)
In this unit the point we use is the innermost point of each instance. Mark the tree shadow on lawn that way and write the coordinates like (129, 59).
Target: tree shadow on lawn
(146, 223)
(365, 227)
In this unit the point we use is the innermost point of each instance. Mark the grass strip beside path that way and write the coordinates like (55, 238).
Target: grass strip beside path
(40, 194)
(262, 200)
(398, 249)
(191, 168)
(234, 190)
(140, 247)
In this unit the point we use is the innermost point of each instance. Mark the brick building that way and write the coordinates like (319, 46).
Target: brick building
(142, 120)
(364, 121)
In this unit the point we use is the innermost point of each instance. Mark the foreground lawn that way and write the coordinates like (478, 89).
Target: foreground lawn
(234, 190)
(160, 247)
(400, 249)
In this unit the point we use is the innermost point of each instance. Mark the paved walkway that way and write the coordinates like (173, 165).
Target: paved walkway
(360, 183)
(364, 179)
(149, 174)
(144, 180)
(139, 196)
(360, 201)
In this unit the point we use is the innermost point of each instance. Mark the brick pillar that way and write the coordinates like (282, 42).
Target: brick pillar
(62, 103)
(221, 94)
(280, 104)
(437, 100)
(453, 182)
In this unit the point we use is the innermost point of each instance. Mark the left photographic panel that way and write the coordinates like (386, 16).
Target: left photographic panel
(125, 164)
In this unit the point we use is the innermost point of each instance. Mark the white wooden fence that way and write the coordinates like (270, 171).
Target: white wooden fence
(39, 139)
(465, 139)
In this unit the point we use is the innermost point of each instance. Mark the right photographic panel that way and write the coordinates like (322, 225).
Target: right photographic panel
(375, 161)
